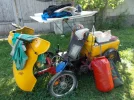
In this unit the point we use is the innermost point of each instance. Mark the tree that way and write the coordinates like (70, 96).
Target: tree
(100, 6)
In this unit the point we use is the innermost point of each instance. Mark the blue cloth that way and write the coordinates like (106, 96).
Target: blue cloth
(18, 51)
(45, 16)
(60, 67)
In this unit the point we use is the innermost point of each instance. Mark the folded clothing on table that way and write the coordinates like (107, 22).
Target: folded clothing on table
(54, 11)
(45, 16)
(50, 10)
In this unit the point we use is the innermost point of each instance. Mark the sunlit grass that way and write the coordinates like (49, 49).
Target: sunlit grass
(127, 53)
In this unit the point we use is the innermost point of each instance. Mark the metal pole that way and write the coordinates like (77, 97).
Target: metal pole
(17, 13)
(15, 10)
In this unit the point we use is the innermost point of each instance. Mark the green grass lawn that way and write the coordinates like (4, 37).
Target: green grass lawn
(86, 87)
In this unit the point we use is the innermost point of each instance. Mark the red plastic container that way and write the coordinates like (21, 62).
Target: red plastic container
(102, 73)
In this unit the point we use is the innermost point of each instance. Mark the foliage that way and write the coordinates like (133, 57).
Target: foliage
(101, 6)
(116, 22)
(119, 21)
(98, 4)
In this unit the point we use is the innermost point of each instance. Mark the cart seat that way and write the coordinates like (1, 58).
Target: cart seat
(113, 38)
(77, 43)
(80, 33)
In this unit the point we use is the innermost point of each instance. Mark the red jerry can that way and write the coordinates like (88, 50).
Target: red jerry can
(102, 74)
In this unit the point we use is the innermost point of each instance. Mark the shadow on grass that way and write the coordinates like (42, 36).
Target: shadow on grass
(86, 86)
(128, 77)
(86, 89)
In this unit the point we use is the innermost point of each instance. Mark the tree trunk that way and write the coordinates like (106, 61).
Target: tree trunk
(73, 2)
(101, 15)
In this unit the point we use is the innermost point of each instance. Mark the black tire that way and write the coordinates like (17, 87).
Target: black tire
(111, 54)
(62, 84)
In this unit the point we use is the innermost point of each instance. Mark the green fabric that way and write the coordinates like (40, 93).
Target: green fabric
(23, 36)
(15, 38)
(18, 51)
(41, 59)
(117, 82)
(115, 74)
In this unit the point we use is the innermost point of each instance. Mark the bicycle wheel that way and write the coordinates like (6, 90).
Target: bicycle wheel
(62, 83)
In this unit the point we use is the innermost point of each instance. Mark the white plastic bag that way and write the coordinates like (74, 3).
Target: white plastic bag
(102, 36)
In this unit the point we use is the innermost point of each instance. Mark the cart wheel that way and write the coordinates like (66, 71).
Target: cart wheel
(62, 83)
(111, 55)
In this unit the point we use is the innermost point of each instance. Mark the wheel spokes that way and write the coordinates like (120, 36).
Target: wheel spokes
(66, 81)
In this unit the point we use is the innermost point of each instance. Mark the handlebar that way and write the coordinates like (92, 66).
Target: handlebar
(16, 26)
(58, 48)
